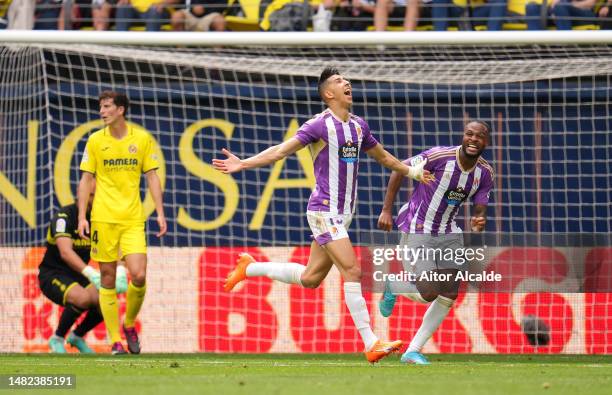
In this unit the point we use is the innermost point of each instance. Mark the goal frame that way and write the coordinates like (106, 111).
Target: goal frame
(293, 39)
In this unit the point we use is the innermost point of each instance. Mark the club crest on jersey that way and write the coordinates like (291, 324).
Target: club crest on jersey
(416, 160)
(132, 149)
(348, 152)
(358, 129)
(336, 221)
(454, 197)
(476, 182)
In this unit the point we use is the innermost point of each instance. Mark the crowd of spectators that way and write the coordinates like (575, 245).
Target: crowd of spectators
(298, 15)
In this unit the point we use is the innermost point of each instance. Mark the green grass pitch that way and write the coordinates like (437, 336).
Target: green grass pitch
(317, 374)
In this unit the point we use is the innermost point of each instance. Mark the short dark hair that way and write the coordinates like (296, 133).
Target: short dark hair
(325, 74)
(483, 123)
(119, 99)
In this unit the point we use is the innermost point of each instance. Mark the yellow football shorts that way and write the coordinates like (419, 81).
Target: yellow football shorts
(107, 240)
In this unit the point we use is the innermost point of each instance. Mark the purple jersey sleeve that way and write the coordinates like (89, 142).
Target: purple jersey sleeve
(486, 184)
(368, 141)
(310, 131)
(415, 160)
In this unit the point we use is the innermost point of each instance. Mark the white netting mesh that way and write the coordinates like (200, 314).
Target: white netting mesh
(551, 150)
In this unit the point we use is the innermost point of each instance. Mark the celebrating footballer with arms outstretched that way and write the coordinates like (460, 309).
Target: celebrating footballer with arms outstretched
(335, 137)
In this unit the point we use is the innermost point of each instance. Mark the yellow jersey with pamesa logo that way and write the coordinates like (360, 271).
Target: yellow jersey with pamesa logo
(117, 166)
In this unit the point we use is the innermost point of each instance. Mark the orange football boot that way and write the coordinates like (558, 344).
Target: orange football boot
(239, 272)
(381, 349)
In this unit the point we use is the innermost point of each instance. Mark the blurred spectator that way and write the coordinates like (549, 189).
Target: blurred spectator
(350, 15)
(83, 12)
(322, 19)
(200, 15)
(563, 11)
(101, 13)
(396, 9)
(605, 15)
(153, 12)
(287, 15)
(47, 14)
(4, 6)
(493, 11)
(20, 14)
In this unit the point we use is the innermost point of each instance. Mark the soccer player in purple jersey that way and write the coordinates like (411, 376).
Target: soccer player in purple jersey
(336, 138)
(427, 222)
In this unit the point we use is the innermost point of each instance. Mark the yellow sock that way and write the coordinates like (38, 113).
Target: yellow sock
(110, 312)
(134, 298)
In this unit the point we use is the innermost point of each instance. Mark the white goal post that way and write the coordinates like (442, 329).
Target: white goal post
(211, 39)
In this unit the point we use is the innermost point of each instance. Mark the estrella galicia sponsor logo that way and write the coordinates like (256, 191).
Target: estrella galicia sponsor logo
(454, 197)
(348, 152)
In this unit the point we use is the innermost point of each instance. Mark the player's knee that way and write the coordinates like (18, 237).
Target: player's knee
(85, 302)
(77, 306)
(93, 300)
(310, 281)
(107, 281)
(353, 274)
(429, 295)
(77, 299)
(450, 294)
(139, 278)
(428, 291)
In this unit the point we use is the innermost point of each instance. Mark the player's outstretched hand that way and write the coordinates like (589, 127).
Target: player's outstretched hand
(427, 177)
(478, 224)
(385, 221)
(230, 165)
(419, 173)
(163, 226)
(83, 229)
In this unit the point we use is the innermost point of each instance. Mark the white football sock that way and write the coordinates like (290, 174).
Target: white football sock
(407, 289)
(435, 314)
(359, 311)
(286, 272)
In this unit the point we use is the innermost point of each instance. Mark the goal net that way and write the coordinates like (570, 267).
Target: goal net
(550, 148)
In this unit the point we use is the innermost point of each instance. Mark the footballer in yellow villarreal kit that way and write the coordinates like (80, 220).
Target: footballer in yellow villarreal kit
(114, 158)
